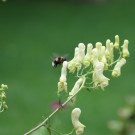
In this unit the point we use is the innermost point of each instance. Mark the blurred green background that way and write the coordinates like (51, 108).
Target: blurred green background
(31, 31)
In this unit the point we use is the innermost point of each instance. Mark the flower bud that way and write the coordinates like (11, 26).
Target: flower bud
(125, 52)
(76, 86)
(79, 127)
(117, 69)
(117, 42)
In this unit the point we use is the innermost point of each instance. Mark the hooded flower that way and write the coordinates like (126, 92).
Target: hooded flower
(79, 127)
(117, 69)
(88, 56)
(76, 86)
(103, 58)
(117, 42)
(62, 84)
(99, 79)
(109, 51)
(99, 47)
(125, 52)
(71, 64)
(80, 56)
(94, 56)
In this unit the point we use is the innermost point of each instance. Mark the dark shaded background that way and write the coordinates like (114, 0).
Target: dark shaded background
(31, 31)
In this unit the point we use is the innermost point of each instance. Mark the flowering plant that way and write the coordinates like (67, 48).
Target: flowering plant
(88, 63)
(3, 105)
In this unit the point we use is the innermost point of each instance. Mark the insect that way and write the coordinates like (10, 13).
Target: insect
(58, 61)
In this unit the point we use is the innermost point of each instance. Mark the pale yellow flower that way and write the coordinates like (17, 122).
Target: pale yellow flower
(79, 127)
(109, 51)
(117, 68)
(125, 52)
(103, 58)
(117, 42)
(80, 57)
(88, 56)
(62, 84)
(94, 56)
(99, 79)
(99, 48)
(76, 86)
(71, 64)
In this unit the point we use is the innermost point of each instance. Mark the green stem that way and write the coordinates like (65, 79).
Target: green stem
(55, 111)
(59, 132)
